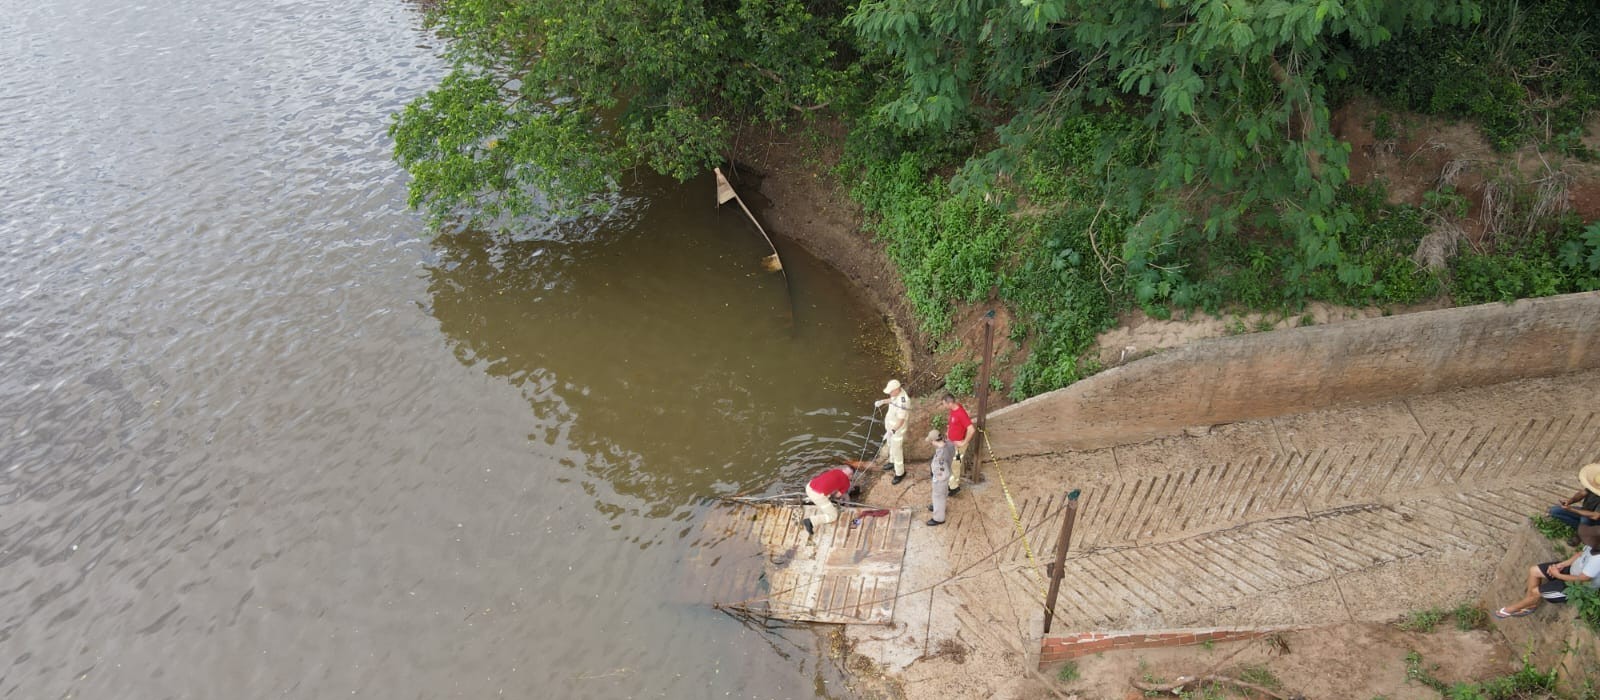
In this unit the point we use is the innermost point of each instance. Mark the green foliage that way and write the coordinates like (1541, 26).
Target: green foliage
(1421, 620)
(1259, 274)
(1526, 682)
(1470, 617)
(1215, 86)
(549, 101)
(1261, 676)
(958, 380)
(1042, 263)
(1563, 260)
(1529, 70)
(1445, 202)
(1068, 672)
(1554, 530)
(1383, 128)
(1586, 601)
(1466, 617)
(946, 248)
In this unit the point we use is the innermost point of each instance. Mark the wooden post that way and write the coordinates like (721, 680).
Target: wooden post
(1058, 568)
(975, 454)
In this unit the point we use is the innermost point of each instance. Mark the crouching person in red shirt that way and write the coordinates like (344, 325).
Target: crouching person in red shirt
(821, 490)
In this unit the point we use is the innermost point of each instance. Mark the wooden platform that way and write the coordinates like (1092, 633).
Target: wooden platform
(758, 559)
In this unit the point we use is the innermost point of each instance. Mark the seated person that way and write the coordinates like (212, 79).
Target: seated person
(1582, 509)
(1547, 582)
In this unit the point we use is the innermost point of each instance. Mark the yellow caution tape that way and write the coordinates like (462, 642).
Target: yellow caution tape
(1016, 518)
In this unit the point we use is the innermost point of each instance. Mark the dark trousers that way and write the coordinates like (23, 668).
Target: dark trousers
(1570, 517)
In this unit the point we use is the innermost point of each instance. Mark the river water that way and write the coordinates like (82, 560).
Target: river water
(261, 436)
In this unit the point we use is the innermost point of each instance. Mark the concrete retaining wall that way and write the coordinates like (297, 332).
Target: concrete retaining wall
(1262, 375)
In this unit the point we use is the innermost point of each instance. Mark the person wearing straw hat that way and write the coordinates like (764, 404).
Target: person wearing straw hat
(1583, 508)
(894, 426)
(944, 453)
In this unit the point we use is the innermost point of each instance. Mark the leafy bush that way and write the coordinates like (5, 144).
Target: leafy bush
(1525, 682)
(1470, 617)
(1527, 70)
(1564, 260)
(1259, 274)
(960, 247)
(1587, 602)
(1068, 672)
(1421, 620)
(958, 380)
(1466, 617)
(947, 247)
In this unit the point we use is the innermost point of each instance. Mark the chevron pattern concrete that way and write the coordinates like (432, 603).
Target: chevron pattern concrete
(1220, 543)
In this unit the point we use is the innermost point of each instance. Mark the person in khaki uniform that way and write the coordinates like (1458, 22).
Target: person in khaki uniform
(894, 426)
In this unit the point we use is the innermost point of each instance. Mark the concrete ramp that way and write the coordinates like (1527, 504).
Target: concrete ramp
(758, 560)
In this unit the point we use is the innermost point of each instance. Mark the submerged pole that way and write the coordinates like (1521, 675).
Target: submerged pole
(772, 263)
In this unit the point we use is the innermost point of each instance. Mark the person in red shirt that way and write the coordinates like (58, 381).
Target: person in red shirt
(821, 489)
(960, 432)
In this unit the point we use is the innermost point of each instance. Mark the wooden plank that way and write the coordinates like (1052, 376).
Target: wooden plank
(844, 574)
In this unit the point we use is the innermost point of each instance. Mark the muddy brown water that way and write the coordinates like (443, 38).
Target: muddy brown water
(260, 437)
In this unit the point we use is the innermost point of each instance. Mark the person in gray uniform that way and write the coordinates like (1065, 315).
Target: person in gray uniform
(944, 452)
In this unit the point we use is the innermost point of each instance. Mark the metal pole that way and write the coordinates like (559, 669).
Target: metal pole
(1057, 569)
(976, 456)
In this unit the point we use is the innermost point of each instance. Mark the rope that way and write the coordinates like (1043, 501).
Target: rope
(866, 441)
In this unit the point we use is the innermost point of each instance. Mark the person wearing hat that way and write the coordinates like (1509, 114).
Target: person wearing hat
(943, 454)
(1583, 508)
(894, 426)
(821, 490)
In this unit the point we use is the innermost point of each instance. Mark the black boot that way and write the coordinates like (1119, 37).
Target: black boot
(810, 530)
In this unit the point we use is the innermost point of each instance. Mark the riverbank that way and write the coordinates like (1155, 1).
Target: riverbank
(965, 641)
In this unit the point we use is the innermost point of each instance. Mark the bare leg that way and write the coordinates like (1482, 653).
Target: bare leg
(1531, 599)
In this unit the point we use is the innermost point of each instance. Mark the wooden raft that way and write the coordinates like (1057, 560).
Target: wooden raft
(766, 565)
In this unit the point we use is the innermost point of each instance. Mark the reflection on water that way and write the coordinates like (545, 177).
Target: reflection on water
(658, 349)
(261, 438)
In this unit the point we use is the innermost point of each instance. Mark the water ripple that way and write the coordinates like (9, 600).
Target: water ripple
(259, 439)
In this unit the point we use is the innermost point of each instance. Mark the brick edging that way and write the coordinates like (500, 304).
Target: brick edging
(1056, 648)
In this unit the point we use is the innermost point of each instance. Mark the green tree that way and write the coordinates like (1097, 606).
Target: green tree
(1232, 92)
(548, 101)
